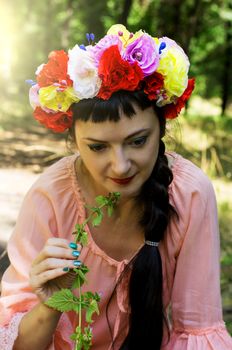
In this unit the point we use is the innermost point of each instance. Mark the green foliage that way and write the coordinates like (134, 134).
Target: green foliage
(64, 300)
(83, 338)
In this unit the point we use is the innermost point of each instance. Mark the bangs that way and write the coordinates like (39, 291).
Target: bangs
(98, 110)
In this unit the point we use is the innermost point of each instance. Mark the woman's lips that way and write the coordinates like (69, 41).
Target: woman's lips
(123, 181)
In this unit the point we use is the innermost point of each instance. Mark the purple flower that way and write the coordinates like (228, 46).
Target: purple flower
(143, 51)
(108, 40)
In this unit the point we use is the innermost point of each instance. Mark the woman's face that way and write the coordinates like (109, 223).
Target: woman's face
(119, 156)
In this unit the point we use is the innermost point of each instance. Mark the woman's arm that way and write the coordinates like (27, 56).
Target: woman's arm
(36, 328)
(47, 275)
(196, 300)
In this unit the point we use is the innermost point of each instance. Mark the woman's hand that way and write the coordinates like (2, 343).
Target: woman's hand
(52, 269)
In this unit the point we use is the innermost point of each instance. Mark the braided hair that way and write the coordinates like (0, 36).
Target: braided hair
(146, 320)
(145, 288)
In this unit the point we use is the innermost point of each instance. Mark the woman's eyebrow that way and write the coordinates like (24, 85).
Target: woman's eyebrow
(128, 137)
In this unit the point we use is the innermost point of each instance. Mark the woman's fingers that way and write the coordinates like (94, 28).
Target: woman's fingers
(56, 259)
(53, 263)
(58, 248)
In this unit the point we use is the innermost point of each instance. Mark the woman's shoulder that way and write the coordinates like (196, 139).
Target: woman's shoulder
(192, 195)
(188, 179)
(59, 178)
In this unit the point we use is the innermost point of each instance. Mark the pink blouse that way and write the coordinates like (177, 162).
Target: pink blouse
(189, 252)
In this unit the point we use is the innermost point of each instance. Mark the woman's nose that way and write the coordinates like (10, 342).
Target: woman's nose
(120, 163)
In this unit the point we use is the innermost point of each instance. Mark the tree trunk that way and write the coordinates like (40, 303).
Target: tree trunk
(123, 18)
(227, 66)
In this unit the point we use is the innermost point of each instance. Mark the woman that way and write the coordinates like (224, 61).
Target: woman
(159, 248)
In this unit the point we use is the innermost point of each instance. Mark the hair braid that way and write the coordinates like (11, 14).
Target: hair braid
(145, 288)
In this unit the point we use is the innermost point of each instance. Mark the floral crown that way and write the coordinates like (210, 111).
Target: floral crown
(119, 61)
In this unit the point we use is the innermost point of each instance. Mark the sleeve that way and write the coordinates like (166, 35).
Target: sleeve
(196, 309)
(35, 224)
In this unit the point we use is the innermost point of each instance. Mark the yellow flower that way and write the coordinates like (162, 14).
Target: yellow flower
(50, 97)
(156, 41)
(116, 28)
(126, 37)
(174, 66)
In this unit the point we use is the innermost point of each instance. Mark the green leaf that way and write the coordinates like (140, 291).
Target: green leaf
(63, 300)
(77, 283)
(84, 238)
(97, 219)
(73, 336)
(81, 272)
(110, 210)
(101, 200)
(93, 307)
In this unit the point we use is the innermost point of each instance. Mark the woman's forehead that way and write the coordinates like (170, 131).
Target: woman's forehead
(125, 127)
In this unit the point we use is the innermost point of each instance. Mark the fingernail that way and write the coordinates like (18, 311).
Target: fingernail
(73, 245)
(77, 263)
(66, 269)
(76, 253)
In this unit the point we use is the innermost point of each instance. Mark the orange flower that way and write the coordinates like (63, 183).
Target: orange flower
(55, 71)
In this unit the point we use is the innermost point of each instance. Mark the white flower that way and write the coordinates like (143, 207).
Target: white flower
(38, 70)
(83, 72)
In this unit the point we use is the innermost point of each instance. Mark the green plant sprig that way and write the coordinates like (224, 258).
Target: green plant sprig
(65, 300)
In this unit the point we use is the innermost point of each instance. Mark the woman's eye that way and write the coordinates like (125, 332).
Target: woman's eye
(140, 141)
(96, 147)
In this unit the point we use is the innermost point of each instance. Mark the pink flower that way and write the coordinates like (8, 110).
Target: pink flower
(98, 49)
(34, 99)
(143, 51)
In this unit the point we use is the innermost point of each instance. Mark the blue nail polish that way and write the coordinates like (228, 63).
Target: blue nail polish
(76, 253)
(73, 245)
(77, 263)
(66, 269)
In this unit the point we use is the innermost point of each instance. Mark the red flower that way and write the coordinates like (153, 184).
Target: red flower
(153, 83)
(171, 111)
(116, 73)
(55, 70)
(57, 122)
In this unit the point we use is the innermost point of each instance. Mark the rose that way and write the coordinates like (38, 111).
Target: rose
(153, 85)
(108, 40)
(83, 72)
(143, 51)
(117, 74)
(57, 122)
(55, 71)
(171, 111)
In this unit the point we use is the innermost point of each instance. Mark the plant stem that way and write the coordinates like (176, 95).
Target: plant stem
(91, 214)
(79, 311)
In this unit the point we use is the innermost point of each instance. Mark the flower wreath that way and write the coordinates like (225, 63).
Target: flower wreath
(119, 61)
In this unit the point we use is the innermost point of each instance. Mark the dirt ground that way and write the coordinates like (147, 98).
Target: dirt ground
(24, 154)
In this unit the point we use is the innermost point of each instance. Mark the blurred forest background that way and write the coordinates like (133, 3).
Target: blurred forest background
(31, 29)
